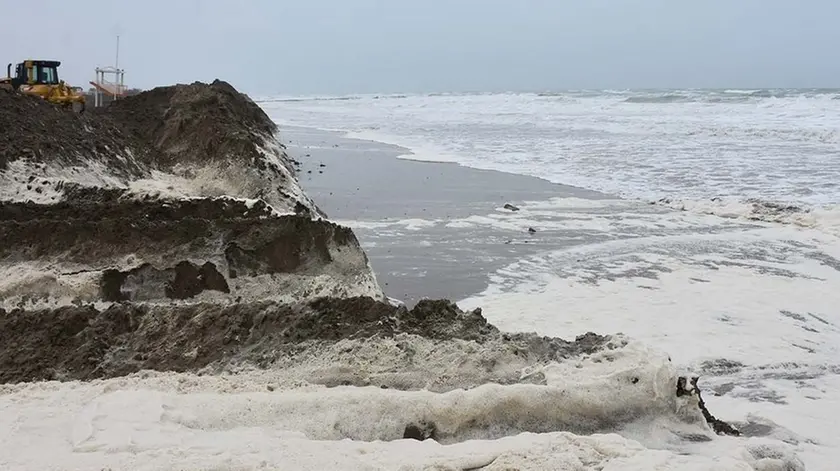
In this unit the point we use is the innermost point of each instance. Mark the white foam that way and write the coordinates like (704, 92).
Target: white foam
(755, 286)
(49, 284)
(411, 224)
(41, 284)
(761, 297)
(222, 180)
(806, 419)
(41, 183)
(150, 420)
(572, 215)
(416, 149)
(687, 301)
(25, 180)
(826, 219)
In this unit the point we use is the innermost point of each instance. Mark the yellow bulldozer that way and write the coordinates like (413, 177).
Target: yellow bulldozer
(40, 78)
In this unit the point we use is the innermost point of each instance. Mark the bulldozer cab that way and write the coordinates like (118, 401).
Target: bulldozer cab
(34, 72)
(40, 78)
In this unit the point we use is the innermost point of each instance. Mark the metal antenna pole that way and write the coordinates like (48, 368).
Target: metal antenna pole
(117, 65)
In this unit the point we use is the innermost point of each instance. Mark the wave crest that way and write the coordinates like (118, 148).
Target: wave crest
(667, 98)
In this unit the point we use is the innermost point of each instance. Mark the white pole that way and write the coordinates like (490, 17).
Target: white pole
(117, 65)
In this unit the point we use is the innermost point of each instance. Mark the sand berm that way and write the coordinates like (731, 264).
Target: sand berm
(168, 232)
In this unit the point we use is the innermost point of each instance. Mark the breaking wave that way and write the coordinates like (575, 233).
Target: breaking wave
(667, 98)
(305, 99)
(726, 96)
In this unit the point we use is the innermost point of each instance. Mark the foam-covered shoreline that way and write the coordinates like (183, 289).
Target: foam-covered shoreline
(750, 289)
(148, 294)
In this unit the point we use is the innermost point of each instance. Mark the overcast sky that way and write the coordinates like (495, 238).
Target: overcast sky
(368, 46)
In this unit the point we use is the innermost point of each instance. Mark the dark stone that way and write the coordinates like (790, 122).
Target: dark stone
(210, 277)
(182, 281)
(421, 431)
(302, 210)
(191, 280)
(111, 285)
(511, 207)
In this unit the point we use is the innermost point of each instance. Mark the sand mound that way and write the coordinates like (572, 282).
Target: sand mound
(107, 245)
(212, 132)
(193, 123)
(178, 193)
(181, 140)
(127, 338)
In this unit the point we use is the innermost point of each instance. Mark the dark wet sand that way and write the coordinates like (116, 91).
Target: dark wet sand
(359, 182)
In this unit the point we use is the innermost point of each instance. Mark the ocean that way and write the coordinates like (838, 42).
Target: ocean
(718, 240)
(691, 144)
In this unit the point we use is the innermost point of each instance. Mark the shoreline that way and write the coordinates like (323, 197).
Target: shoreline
(409, 214)
(404, 210)
(402, 152)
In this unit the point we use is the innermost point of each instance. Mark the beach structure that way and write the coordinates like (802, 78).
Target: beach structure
(105, 89)
(110, 82)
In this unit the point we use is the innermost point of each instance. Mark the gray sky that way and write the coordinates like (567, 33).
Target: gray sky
(368, 46)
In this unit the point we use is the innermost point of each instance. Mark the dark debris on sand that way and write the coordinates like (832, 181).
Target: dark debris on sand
(33, 129)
